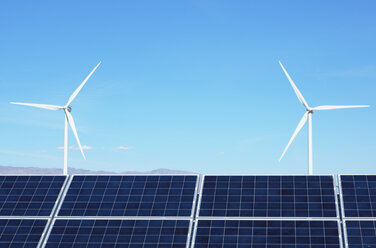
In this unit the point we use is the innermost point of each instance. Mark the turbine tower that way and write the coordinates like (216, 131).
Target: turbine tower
(68, 118)
(308, 115)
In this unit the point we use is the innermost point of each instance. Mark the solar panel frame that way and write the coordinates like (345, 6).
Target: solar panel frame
(189, 234)
(195, 193)
(248, 217)
(45, 230)
(342, 200)
(268, 219)
(56, 201)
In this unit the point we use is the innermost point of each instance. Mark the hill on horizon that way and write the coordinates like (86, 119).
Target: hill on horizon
(12, 170)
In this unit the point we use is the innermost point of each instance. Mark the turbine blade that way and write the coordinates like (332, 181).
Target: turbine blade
(73, 126)
(329, 107)
(43, 106)
(81, 85)
(297, 92)
(300, 125)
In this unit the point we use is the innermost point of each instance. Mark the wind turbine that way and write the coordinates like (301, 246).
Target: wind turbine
(68, 118)
(308, 115)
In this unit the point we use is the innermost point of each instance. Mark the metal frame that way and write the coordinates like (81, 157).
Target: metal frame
(270, 219)
(302, 218)
(345, 234)
(341, 196)
(195, 196)
(64, 193)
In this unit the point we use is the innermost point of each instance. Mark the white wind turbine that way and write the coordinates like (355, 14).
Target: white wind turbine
(308, 115)
(68, 118)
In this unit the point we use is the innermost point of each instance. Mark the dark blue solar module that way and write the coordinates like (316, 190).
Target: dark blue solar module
(29, 195)
(268, 196)
(119, 233)
(267, 233)
(130, 196)
(15, 233)
(359, 195)
(361, 234)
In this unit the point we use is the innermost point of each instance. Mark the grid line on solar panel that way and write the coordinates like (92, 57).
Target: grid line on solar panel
(266, 233)
(268, 196)
(358, 196)
(16, 233)
(360, 233)
(130, 196)
(119, 233)
(29, 195)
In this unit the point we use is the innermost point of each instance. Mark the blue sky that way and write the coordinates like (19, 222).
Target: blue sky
(189, 85)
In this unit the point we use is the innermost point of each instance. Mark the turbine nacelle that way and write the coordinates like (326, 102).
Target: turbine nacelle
(69, 109)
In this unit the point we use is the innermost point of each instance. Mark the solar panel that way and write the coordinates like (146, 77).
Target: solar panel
(268, 196)
(29, 195)
(358, 195)
(267, 233)
(130, 196)
(119, 233)
(360, 233)
(16, 233)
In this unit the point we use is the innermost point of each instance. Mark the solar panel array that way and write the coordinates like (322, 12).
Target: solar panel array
(187, 211)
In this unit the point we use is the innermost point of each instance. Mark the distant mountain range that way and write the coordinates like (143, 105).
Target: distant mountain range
(42, 171)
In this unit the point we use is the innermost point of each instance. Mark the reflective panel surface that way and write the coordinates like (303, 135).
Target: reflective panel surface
(268, 196)
(264, 233)
(359, 195)
(29, 195)
(15, 233)
(119, 233)
(361, 234)
(130, 196)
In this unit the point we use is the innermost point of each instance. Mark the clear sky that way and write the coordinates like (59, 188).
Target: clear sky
(189, 85)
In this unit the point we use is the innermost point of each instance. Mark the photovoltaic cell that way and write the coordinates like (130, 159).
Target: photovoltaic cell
(119, 233)
(29, 195)
(15, 233)
(266, 233)
(361, 234)
(268, 196)
(359, 195)
(130, 196)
